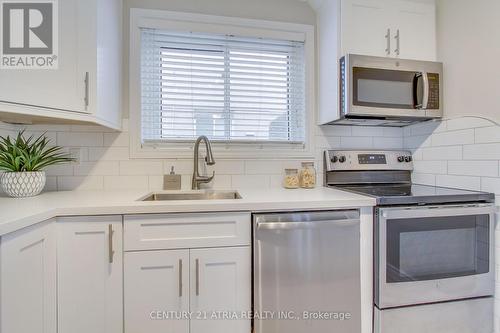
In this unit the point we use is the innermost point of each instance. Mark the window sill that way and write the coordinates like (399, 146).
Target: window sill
(224, 151)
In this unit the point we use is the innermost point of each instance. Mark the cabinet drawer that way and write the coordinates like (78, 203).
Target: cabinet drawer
(174, 231)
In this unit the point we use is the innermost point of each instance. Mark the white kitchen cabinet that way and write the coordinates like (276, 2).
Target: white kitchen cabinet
(417, 30)
(156, 283)
(178, 291)
(90, 274)
(28, 280)
(388, 28)
(86, 86)
(220, 283)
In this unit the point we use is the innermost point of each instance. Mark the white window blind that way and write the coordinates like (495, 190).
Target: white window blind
(225, 87)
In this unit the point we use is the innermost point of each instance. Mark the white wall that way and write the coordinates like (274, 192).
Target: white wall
(469, 47)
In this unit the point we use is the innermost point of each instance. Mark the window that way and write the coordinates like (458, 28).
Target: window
(229, 88)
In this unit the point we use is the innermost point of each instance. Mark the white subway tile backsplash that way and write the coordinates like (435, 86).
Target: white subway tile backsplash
(423, 178)
(126, 183)
(268, 167)
(181, 167)
(417, 141)
(99, 168)
(442, 153)
(462, 182)
(433, 167)
(60, 170)
(141, 167)
(356, 142)
(74, 139)
(452, 138)
(485, 151)
(487, 134)
(388, 143)
(473, 168)
(393, 131)
(467, 122)
(67, 183)
(250, 181)
(490, 184)
(109, 154)
(367, 131)
(117, 139)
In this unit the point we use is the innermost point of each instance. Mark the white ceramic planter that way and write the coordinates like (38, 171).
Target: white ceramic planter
(22, 184)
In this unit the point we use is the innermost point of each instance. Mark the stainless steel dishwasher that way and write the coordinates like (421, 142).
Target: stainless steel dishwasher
(307, 272)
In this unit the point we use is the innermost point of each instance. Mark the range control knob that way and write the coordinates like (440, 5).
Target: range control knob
(334, 159)
(401, 159)
(342, 159)
(408, 159)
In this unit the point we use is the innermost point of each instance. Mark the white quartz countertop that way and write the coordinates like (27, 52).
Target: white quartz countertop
(20, 213)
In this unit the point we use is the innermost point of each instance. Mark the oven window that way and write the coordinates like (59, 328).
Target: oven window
(437, 247)
(385, 88)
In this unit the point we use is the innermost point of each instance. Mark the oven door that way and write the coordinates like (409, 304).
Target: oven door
(433, 254)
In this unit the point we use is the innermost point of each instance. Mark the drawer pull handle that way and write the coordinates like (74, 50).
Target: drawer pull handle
(197, 277)
(180, 277)
(110, 243)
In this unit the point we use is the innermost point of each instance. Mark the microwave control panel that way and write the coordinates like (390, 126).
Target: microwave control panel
(433, 91)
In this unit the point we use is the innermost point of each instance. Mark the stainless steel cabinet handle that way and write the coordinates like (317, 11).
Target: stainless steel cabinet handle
(397, 50)
(110, 243)
(180, 277)
(388, 38)
(86, 98)
(197, 277)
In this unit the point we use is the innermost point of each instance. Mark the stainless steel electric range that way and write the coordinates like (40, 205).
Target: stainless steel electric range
(433, 246)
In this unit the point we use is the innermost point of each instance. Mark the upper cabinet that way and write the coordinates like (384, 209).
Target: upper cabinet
(383, 28)
(388, 28)
(86, 85)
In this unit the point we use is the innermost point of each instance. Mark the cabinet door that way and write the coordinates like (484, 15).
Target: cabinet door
(417, 30)
(364, 27)
(62, 88)
(220, 281)
(157, 291)
(90, 277)
(28, 280)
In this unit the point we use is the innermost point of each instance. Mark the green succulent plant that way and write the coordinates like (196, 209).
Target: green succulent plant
(29, 154)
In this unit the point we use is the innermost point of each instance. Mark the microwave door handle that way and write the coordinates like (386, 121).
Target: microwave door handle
(416, 104)
(425, 95)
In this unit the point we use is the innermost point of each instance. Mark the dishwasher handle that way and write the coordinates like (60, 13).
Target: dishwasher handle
(303, 225)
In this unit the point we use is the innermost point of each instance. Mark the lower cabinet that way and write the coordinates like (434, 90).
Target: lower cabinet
(192, 290)
(90, 275)
(155, 282)
(28, 280)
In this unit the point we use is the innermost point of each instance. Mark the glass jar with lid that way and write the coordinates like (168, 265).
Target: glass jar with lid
(307, 175)
(291, 178)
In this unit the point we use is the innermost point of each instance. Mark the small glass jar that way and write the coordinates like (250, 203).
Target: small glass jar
(307, 175)
(291, 179)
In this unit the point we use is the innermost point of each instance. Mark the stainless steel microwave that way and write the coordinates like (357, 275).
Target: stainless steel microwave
(388, 91)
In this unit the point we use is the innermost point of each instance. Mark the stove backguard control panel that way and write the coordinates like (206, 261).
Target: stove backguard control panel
(348, 160)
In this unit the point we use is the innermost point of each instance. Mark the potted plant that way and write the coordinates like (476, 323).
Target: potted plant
(23, 160)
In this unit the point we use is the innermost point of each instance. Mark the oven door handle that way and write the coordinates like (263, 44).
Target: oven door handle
(416, 212)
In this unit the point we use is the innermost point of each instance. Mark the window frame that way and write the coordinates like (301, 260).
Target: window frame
(182, 22)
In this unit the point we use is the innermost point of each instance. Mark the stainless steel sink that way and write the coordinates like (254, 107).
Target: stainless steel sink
(205, 195)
